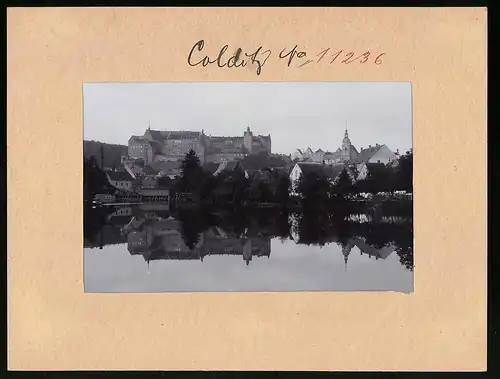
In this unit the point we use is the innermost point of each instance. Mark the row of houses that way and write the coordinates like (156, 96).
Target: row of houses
(356, 172)
(348, 154)
(150, 178)
(133, 178)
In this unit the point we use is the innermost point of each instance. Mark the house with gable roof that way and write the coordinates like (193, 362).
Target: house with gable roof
(332, 172)
(121, 180)
(230, 166)
(375, 154)
(374, 159)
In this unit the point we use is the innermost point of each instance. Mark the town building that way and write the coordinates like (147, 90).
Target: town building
(348, 154)
(376, 154)
(371, 251)
(255, 145)
(229, 167)
(332, 172)
(165, 146)
(219, 149)
(121, 180)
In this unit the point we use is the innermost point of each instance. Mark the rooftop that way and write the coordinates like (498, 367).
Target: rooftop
(365, 154)
(210, 167)
(119, 175)
(330, 171)
(180, 134)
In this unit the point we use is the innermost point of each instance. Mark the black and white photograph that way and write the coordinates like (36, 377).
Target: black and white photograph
(247, 187)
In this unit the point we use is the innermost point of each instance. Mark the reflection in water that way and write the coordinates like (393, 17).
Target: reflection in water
(303, 244)
(169, 239)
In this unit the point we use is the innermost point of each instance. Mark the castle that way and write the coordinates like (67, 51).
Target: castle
(164, 146)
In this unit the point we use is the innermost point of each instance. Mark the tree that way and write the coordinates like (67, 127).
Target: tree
(282, 192)
(192, 173)
(208, 193)
(239, 187)
(264, 190)
(354, 172)
(314, 189)
(404, 242)
(379, 179)
(254, 194)
(110, 153)
(94, 220)
(313, 227)
(94, 179)
(370, 183)
(344, 185)
(282, 224)
(191, 227)
(405, 255)
(404, 172)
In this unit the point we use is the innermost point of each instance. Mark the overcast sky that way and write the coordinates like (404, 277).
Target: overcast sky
(296, 114)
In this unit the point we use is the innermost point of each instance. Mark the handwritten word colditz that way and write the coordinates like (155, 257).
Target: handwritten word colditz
(239, 59)
(260, 56)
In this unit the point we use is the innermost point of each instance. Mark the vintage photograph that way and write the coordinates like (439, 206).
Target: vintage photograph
(247, 186)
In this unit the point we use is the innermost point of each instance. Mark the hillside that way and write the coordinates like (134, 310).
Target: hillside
(112, 153)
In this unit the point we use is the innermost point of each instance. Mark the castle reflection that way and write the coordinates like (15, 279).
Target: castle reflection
(157, 234)
(163, 239)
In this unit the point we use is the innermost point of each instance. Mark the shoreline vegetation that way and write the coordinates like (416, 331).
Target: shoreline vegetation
(386, 191)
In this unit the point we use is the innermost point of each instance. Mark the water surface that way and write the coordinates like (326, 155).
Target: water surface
(134, 251)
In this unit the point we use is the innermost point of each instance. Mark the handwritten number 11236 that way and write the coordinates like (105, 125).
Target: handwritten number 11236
(349, 57)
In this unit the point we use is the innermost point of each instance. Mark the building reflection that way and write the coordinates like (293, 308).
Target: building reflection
(163, 239)
(365, 249)
(157, 234)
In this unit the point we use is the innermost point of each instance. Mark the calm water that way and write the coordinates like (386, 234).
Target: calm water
(144, 250)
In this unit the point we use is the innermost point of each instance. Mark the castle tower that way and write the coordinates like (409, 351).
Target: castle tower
(346, 146)
(248, 139)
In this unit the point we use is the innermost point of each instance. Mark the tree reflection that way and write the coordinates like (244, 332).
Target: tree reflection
(94, 220)
(405, 255)
(193, 223)
(318, 227)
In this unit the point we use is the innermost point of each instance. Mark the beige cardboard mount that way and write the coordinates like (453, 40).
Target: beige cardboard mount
(54, 325)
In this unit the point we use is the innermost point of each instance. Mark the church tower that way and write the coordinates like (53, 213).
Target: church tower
(346, 146)
(346, 250)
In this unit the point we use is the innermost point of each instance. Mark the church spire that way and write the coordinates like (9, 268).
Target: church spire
(346, 134)
(346, 250)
